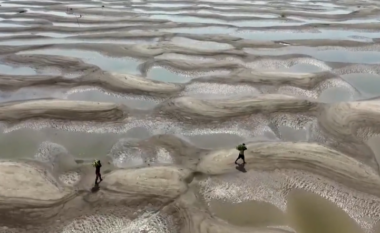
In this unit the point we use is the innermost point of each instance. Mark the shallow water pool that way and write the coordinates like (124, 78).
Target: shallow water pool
(323, 34)
(50, 12)
(79, 144)
(120, 65)
(164, 75)
(11, 25)
(69, 41)
(6, 69)
(341, 55)
(367, 84)
(349, 21)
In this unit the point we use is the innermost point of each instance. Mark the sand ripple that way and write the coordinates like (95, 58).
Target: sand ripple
(159, 91)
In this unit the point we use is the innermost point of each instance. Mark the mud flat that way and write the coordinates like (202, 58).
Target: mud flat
(163, 92)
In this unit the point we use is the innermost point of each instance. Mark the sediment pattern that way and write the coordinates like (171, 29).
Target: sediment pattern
(162, 91)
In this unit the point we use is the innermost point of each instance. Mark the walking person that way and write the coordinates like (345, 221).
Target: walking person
(241, 148)
(97, 166)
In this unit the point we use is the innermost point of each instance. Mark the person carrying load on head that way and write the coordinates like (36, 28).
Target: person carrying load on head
(241, 148)
(97, 166)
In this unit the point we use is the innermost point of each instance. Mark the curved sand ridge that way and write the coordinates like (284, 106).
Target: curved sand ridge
(297, 156)
(315, 82)
(136, 85)
(217, 60)
(256, 77)
(192, 108)
(28, 178)
(61, 109)
(188, 112)
(267, 156)
(120, 83)
(168, 188)
(267, 73)
(351, 121)
(309, 85)
(200, 68)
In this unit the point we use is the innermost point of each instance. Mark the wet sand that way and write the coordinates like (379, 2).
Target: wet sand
(162, 92)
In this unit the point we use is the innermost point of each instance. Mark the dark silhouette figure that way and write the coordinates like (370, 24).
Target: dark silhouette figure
(241, 148)
(97, 166)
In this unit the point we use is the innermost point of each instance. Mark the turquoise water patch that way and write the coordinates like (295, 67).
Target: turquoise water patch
(355, 21)
(24, 143)
(21, 20)
(5, 5)
(304, 68)
(11, 25)
(287, 35)
(367, 84)
(119, 65)
(335, 95)
(30, 93)
(49, 12)
(69, 41)
(5, 69)
(163, 75)
(333, 55)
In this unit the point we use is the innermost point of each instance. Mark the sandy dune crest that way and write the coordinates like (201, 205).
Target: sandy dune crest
(193, 108)
(62, 110)
(256, 77)
(168, 182)
(351, 121)
(300, 156)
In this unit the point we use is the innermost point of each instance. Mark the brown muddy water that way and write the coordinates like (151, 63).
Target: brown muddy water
(163, 91)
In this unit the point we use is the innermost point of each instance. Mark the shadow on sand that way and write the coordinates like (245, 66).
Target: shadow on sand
(96, 187)
(241, 167)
